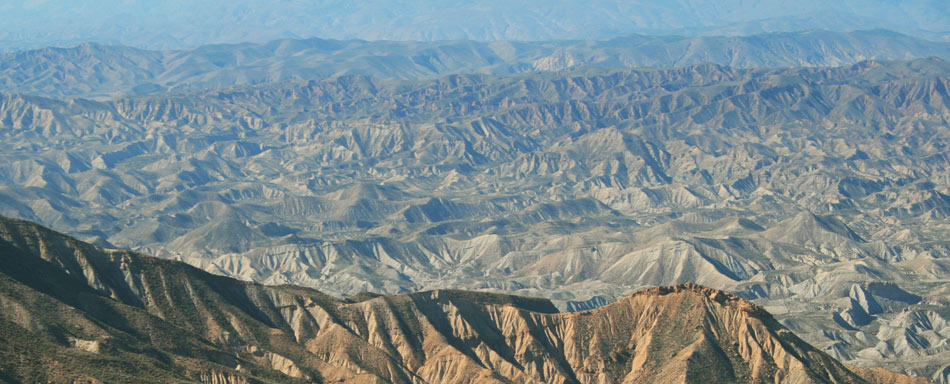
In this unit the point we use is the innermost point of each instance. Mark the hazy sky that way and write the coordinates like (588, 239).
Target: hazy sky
(183, 23)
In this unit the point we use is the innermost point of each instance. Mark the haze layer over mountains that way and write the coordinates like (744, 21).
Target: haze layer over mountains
(807, 172)
(102, 72)
(177, 24)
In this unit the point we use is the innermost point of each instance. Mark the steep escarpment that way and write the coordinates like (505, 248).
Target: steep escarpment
(72, 311)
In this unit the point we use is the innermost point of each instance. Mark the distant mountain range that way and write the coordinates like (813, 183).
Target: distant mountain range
(820, 193)
(97, 71)
(70, 312)
(806, 172)
(177, 24)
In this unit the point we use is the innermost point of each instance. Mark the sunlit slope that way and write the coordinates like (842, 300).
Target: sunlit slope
(72, 311)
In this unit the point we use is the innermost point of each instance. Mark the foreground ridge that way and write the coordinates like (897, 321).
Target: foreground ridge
(70, 311)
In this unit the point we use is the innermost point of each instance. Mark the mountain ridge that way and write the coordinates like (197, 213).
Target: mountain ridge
(101, 71)
(788, 186)
(478, 337)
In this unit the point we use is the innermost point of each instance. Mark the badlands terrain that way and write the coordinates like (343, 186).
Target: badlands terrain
(818, 189)
(75, 313)
(103, 72)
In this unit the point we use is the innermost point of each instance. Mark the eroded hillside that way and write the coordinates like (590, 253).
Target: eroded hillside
(72, 312)
(820, 193)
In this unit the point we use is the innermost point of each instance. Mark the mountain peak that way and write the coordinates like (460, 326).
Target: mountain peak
(713, 295)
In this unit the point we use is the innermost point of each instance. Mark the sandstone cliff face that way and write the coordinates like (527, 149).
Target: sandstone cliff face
(678, 334)
(71, 310)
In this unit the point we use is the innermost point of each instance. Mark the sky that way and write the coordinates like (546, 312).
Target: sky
(176, 24)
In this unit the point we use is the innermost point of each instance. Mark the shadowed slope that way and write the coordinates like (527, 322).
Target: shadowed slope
(73, 311)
